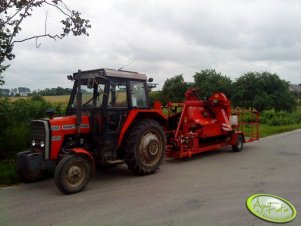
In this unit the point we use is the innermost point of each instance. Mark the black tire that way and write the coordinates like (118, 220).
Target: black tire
(72, 174)
(239, 143)
(145, 147)
(23, 173)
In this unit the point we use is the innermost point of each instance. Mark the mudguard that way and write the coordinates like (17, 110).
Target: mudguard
(81, 151)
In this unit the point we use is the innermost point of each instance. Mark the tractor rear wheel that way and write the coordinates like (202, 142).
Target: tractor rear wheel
(72, 174)
(145, 147)
(238, 146)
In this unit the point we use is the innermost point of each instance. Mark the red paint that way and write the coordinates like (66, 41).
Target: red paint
(66, 126)
(84, 152)
(133, 114)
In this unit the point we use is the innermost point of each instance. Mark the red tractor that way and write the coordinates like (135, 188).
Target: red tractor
(109, 120)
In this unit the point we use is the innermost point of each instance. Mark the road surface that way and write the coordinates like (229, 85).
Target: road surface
(208, 189)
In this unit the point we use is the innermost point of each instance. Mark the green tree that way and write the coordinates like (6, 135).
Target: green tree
(174, 89)
(263, 91)
(15, 118)
(14, 13)
(54, 91)
(155, 95)
(209, 81)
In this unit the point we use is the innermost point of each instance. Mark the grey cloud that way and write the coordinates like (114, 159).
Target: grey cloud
(165, 38)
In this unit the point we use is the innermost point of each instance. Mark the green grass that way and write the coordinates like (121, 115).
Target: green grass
(8, 173)
(267, 130)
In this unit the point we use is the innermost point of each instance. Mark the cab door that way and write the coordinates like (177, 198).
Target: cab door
(115, 115)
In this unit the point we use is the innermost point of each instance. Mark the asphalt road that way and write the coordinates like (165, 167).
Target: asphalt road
(208, 189)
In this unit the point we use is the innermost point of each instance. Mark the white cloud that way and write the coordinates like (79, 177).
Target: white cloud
(165, 38)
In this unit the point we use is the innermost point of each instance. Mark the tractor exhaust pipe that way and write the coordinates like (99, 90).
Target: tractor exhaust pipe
(78, 103)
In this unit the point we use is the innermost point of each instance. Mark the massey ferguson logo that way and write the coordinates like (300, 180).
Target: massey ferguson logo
(73, 126)
(69, 126)
(55, 127)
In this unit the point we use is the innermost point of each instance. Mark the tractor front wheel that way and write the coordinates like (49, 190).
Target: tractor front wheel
(145, 147)
(239, 144)
(72, 174)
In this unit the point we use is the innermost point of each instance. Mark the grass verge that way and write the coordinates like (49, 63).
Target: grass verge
(267, 130)
(8, 173)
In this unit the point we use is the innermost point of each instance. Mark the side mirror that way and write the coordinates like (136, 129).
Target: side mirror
(90, 82)
(70, 77)
(151, 85)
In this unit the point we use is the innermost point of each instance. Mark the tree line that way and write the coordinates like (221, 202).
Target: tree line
(256, 90)
(23, 91)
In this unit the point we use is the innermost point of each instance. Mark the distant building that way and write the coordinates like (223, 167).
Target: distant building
(295, 88)
(13, 92)
(20, 91)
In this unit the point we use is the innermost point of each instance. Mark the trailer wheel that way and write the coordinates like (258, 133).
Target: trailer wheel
(72, 174)
(145, 147)
(238, 146)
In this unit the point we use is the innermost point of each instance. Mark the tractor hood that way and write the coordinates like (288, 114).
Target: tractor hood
(67, 124)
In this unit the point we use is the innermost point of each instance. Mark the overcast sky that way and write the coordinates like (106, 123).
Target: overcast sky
(164, 38)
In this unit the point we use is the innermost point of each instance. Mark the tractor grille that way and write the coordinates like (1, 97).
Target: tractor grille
(40, 133)
(38, 130)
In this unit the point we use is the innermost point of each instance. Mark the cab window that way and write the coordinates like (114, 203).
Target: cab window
(138, 94)
(117, 95)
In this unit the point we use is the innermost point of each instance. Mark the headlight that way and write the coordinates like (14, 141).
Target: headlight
(42, 144)
(33, 143)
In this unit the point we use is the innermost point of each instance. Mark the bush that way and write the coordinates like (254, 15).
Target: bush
(8, 172)
(273, 118)
(15, 118)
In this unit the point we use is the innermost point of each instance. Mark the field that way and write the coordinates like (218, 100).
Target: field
(52, 99)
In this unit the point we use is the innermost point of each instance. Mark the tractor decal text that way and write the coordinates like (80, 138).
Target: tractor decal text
(73, 126)
(55, 127)
(56, 138)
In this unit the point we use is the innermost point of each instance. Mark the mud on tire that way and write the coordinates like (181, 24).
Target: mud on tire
(72, 174)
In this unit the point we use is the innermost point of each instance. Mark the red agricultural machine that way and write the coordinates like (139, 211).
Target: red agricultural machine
(197, 126)
(109, 120)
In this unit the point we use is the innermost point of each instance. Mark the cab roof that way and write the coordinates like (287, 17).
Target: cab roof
(110, 73)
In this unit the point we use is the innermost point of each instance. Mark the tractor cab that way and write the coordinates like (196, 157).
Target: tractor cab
(106, 88)
(106, 96)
